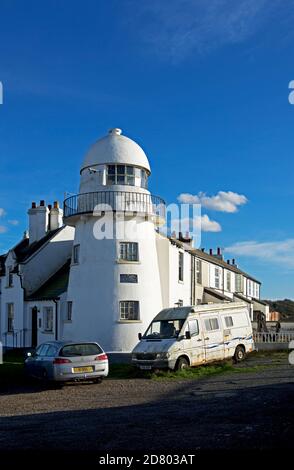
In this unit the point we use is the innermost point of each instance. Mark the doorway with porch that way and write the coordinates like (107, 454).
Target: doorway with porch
(34, 342)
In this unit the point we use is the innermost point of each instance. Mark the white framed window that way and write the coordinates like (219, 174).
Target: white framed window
(228, 281)
(239, 283)
(69, 310)
(9, 282)
(217, 278)
(129, 251)
(129, 310)
(229, 322)
(198, 271)
(181, 266)
(76, 254)
(10, 317)
(256, 291)
(126, 175)
(211, 324)
(48, 319)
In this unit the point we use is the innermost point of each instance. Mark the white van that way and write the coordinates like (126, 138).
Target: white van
(189, 336)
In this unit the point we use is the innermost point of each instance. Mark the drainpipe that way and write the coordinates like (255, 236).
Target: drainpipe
(192, 298)
(56, 319)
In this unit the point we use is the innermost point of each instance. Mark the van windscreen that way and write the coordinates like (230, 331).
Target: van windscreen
(164, 329)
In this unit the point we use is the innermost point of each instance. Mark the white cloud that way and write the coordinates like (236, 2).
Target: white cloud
(178, 28)
(199, 223)
(2, 212)
(207, 225)
(278, 252)
(223, 201)
(3, 229)
(13, 222)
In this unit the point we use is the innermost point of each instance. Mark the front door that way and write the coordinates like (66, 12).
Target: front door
(34, 327)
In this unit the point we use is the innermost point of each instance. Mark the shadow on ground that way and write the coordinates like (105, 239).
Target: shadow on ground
(251, 418)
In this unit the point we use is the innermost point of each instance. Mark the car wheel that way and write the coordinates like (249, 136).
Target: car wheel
(98, 380)
(182, 364)
(239, 354)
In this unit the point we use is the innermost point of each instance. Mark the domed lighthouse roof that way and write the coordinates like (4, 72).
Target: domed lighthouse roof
(116, 148)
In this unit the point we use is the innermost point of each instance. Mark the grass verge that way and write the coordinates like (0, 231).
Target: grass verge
(126, 371)
(12, 371)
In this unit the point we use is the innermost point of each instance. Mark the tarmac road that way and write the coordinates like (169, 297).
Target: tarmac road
(253, 410)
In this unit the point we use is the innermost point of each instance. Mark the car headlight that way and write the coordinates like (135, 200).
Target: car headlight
(162, 355)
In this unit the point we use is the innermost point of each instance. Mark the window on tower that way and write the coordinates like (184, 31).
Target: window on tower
(76, 254)
(128, 251)
(126, 175)
(129, 310)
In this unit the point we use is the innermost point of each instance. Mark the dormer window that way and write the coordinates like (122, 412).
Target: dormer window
(126, 175)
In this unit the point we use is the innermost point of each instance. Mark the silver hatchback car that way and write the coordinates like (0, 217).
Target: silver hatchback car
(61, 361)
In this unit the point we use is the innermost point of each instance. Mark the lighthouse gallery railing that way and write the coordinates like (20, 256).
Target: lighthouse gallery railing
(126, 201)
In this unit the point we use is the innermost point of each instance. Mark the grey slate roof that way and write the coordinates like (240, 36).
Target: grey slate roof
(212, 259)
(54, 286)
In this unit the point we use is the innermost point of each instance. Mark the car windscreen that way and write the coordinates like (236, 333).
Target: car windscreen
(81, 349)
(164, 329)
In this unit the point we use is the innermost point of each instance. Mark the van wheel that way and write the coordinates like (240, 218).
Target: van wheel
(239, 354)
(182, 363)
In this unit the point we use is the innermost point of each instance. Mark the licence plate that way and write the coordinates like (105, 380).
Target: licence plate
(145, 367)
(83, 369)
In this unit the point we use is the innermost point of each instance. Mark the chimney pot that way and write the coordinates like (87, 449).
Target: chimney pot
(203, 250)
(218, 251)
(42, 203)
(33, 205)
(49, 207)
(56, 205)
(233, 261)
(210, 251)
(228, 261)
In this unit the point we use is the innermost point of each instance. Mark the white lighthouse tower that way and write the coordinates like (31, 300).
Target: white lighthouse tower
(114, 286)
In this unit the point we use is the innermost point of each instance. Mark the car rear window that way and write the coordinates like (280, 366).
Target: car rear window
(84, 349)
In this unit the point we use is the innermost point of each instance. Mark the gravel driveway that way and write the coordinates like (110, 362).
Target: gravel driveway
(230, 411)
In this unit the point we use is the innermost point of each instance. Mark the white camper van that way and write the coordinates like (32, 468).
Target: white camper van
(189, 336)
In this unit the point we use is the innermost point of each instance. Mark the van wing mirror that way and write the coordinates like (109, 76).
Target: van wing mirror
(29, 353)
(140, 336)
(188, 335)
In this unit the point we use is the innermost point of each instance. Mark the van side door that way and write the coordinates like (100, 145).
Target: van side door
(213, 338)
(197, 352)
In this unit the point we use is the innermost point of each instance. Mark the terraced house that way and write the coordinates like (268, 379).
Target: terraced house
(64, 280)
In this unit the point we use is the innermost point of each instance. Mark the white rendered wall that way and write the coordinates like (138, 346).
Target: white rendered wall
(15, 295)
(95, 288)
(179, 290)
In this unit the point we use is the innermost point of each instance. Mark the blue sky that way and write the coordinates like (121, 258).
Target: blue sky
(202, 86)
